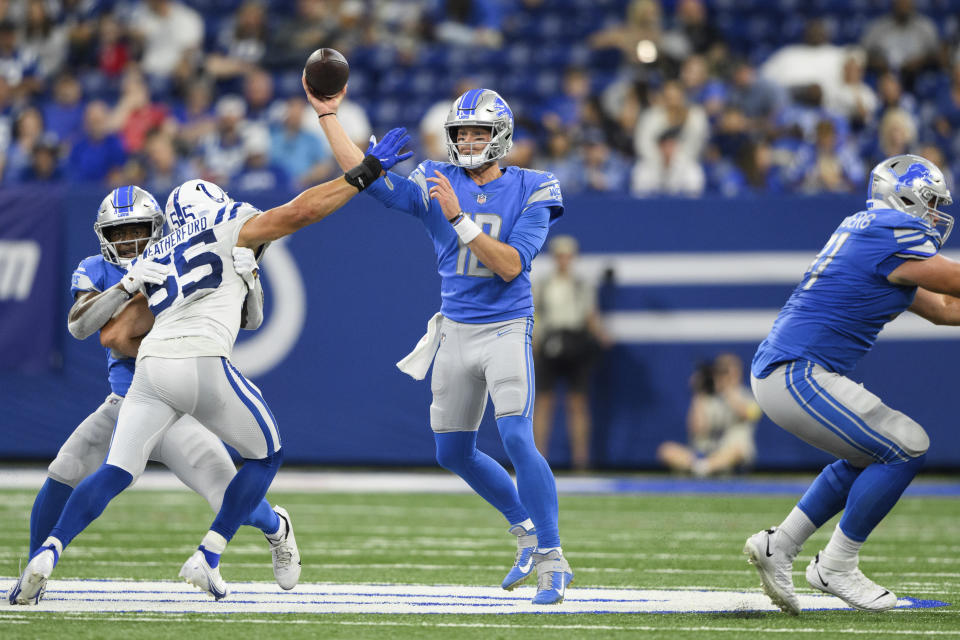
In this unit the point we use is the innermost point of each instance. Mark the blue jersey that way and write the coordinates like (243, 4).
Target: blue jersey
(517, 208)
(844, 300)
(96, 274)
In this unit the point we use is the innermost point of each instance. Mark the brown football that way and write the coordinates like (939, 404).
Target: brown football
(327, 72)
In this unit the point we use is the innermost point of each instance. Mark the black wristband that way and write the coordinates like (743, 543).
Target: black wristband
(457, 219)
(364, 174)
(326, 114)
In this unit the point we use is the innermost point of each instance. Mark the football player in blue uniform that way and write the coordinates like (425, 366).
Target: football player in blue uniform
(878, 263)
(128, 220)
(487, 224)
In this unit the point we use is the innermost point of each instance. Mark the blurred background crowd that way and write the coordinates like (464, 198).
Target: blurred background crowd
(646, 97)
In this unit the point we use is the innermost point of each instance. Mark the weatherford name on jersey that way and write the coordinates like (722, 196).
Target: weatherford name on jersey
(844, 300)
(96, 274)
(470, 292)
(199, 306)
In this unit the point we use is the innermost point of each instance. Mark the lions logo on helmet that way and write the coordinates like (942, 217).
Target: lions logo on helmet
(128, 205)
(192, 200)
(915, 186)
(479, 108)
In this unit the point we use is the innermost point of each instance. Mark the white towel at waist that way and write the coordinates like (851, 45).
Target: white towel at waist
(416, 363)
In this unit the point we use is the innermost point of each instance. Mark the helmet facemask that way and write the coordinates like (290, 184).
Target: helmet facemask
(121, 242)
(914, 185)
(479, 108)
(128, 221)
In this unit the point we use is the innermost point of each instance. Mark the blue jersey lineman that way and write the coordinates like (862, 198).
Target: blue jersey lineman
(878, 263)
(487, 224)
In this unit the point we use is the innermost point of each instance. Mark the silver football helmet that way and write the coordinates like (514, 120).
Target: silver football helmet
(913, 185)
(123, 206)
(192, 200)
(479, 108)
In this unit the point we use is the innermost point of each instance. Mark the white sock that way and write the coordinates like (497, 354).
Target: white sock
(526, 524)
(214, 542)
(841, 553)
(549, 549)
(797, 527)
(55, 542)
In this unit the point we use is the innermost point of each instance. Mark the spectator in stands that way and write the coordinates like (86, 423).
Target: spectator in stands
(222, 152)
(64, 114)
(829, 165)
(672, 112)
(671, 172)
(431, 125)
(701, 88)
(163, 168)
(946, 115)
(814, 61)
(241, 44)
(313, 25)
(17, 65)
(99, 154)
(853, 98)
(43, 40)
(28, 129)
(44, 164)
(560, 158)
(565, 111)
(755, 96)
(195, 118)
(300, 153)
(599, 168)
(721, 421)
(639, 37)
(258, 92)
(904, 40)
(112, 47)
(692, 32)
(524, 150)
(761, 173)
(136, 114)
(567, 334)
(467, 23)
(258, 172)
(897, 134)
(892, 96)
(167, 31)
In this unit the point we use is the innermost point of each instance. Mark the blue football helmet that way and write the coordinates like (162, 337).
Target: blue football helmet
(915, 186)
(479, 108)
(123, 206)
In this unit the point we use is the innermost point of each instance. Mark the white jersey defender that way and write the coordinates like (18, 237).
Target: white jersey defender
(198, 308)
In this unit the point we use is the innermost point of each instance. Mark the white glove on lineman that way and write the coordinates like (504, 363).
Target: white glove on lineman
(143, 272)
(245, 264)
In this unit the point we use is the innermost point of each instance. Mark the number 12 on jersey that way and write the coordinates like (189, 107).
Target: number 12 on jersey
(825, 257)
(474, 268)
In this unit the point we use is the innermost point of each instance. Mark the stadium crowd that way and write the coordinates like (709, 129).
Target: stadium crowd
(648, 97)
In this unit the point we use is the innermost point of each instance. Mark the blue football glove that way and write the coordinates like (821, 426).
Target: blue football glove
(387, 150)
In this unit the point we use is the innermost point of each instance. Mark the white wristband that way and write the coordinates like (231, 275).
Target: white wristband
(467, 229)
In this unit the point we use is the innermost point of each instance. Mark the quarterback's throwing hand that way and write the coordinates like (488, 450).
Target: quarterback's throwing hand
(442, 191)
(245, 264)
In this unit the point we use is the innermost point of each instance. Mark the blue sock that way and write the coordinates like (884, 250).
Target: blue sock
(535, 483)
(88, 501)
(874, 493)
(264, 518)
(244, 493)
(457, 451)
(827, 495)
(47, 507)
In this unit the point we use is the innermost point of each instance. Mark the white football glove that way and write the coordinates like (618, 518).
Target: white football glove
(245, 264)
(143, 272)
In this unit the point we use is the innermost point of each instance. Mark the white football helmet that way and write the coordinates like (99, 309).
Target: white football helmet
(192, 200)
(123, 206)
(479, 108)
(913, 185)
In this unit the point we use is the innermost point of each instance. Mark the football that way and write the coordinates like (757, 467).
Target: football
(327, 72)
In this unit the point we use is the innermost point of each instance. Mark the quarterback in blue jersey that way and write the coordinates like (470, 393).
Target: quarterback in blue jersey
(128, 220)
(878, 263)
(487, 224)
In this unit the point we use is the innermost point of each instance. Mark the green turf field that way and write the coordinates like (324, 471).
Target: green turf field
(682, 542)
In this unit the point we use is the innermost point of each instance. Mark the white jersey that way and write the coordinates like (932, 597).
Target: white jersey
(198, 308)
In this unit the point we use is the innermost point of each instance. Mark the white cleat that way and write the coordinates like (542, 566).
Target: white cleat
(197, 572)
(854, 588)
(775, 569)
(32, 585)
(286, 555)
